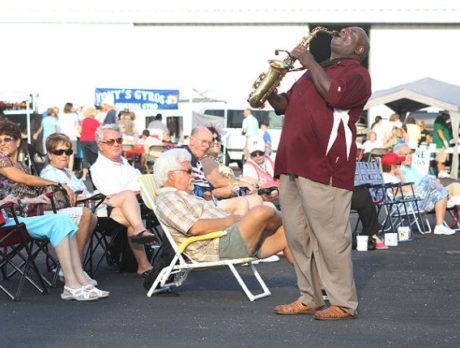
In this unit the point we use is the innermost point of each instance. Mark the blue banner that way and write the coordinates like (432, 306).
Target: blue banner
(138, 99)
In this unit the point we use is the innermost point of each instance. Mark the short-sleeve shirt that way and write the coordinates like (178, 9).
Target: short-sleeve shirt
(48, 123)
(88, 129)
(8, 186)
(68, 124)
(251, 125)
(441, 124)
(179, 211)
(199, 177)
(412, 174)
(318, 137)
(111, 177)
(53, 174)
(110, 117)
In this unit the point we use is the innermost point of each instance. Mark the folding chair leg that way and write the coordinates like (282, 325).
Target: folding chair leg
(252, 297)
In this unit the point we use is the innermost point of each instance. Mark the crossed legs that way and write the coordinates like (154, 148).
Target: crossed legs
(127, 212)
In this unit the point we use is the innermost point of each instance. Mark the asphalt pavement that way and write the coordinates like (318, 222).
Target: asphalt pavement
(409, 295)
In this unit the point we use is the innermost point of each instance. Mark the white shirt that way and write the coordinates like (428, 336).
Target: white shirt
(250, 172)
(390, 179)
(113, 177)
(68, 124)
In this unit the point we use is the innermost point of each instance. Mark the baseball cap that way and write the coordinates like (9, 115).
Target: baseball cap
(392, 158)
(256, 144)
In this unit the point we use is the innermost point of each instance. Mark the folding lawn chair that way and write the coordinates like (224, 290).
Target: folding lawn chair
(401, 209)
(181, 265)
(16, 256)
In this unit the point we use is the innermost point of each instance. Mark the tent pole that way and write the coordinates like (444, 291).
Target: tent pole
(455, 119)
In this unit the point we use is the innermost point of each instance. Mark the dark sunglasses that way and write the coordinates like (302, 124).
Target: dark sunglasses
(111, 142)
(257, 153)
(218, 138)
(188, 171)
(7, 140)
(60, 152)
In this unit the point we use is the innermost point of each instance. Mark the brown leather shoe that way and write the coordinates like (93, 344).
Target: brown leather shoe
(296, 307)
(333, 313)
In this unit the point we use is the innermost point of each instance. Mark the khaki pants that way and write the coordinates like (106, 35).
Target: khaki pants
(316, 223)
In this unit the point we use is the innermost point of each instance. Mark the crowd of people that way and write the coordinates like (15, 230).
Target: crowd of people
(199, 194)
(385, 135)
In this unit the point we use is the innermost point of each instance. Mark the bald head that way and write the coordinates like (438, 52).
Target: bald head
(200, 140)
(350, 42)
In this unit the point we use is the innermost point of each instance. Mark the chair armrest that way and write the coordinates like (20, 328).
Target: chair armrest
(190, 240)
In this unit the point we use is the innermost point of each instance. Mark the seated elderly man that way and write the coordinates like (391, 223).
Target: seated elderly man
(432, 196)
(114, 177)
(258, 233)
(200, 141)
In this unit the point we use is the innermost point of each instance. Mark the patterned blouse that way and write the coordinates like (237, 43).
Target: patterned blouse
(8, 186)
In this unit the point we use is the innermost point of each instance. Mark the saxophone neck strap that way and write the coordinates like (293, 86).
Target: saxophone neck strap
(325, 63)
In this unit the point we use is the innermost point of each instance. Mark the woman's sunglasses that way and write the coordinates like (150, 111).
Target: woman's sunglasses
(257, 153)
(60, 152)
(6, 140)
(217, 138)
(111, 142)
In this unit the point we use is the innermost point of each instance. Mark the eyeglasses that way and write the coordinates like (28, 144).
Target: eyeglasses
(6, 140)
(188, 171)
(257, 153)
(111, 142)
(217, 138)
(60, 152)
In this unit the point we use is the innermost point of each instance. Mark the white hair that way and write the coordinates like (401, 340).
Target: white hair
(100, 130)
(169, 161)
(398, 147)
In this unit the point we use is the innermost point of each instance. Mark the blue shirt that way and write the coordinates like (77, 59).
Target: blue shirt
(411, 174)
(54, 174)
(48, 124)
(251, 125)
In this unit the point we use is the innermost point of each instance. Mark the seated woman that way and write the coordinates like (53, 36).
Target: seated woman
(58, 147)
(15, 179)
(222, 178)
(260, 167)
(59, 230)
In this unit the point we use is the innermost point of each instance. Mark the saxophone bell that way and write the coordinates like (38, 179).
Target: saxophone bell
(266, 85)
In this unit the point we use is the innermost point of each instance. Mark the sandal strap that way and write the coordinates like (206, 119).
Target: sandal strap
(78, 293)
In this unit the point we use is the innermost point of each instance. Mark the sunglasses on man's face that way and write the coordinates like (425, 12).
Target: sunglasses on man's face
(257, 153)
(60, 152)
(111, 142)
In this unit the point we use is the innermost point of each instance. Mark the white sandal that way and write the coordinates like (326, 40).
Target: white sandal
(79, 294)
(98, 292)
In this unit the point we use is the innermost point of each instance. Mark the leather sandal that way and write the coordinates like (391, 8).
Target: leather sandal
(296, 307)
(141, 239)
(79, 294)
(334, 313)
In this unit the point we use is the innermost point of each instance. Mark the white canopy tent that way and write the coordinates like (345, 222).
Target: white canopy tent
(419, 94)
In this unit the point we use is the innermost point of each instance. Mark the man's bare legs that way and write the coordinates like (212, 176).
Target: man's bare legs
(262, 226)
(127, 212)
(126, 208)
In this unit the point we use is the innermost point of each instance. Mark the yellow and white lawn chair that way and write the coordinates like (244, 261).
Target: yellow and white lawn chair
(181, 265)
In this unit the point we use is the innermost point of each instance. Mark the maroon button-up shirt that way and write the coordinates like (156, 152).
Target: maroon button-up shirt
(318, 140)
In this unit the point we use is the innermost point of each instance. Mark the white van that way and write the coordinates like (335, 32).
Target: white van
(234, 140)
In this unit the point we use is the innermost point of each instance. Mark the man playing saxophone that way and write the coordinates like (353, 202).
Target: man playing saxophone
(316, 166)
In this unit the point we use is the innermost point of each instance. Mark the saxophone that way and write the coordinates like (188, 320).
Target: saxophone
(266, 83)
